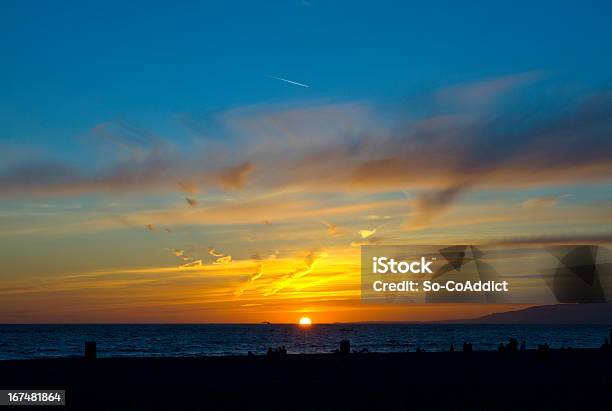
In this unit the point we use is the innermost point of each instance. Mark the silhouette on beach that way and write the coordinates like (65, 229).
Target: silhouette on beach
(542, 379)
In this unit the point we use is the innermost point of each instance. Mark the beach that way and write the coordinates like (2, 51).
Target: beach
(487, 380)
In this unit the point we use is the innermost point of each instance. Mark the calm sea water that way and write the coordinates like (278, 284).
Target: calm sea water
(36, 341)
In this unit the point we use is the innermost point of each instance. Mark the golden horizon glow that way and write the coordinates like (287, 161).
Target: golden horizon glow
(305, 321)
(254, 209)
(325, 283)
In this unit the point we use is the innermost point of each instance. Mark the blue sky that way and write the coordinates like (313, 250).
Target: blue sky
(69, 66)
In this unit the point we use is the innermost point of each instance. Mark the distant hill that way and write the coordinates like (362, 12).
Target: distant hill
(549, 314)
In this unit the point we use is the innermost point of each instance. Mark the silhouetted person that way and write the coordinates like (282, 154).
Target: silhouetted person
(523, 345)
(543, 350)
(277, 352)
(345, 347)
(501, 347)
(543, 347)
(512, 345)
(467, 347)
(452, 348)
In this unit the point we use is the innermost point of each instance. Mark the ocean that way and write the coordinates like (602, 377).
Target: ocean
(189, 340)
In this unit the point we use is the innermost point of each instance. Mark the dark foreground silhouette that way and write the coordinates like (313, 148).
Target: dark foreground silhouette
(569, 379)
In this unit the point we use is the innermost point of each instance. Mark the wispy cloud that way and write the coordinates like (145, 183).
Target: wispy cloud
(254, 277)
(484, 91)
(214, 253)
(431, 204)
(332, 229)
(193, 264)
(188, 187)
(542, 202)
(367, 233)
(220, 258)
(367, 241)
(374, 217)
(309, 261)
(226, 259)
(353, 148)
(235, 178)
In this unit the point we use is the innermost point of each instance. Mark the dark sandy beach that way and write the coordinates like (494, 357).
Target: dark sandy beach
(572, 379)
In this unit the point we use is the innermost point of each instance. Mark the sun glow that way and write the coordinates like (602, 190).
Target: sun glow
(305, 321)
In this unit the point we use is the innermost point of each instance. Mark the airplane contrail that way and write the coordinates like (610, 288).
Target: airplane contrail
(289, 81)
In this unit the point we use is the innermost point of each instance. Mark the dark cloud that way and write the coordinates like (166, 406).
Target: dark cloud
(32, 176)
(431, 204)
(235, 178)
(571, 239)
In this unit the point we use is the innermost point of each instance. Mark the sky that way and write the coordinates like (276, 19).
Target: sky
(154, 167)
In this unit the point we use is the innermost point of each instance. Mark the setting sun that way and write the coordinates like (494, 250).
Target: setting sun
(305, 321)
